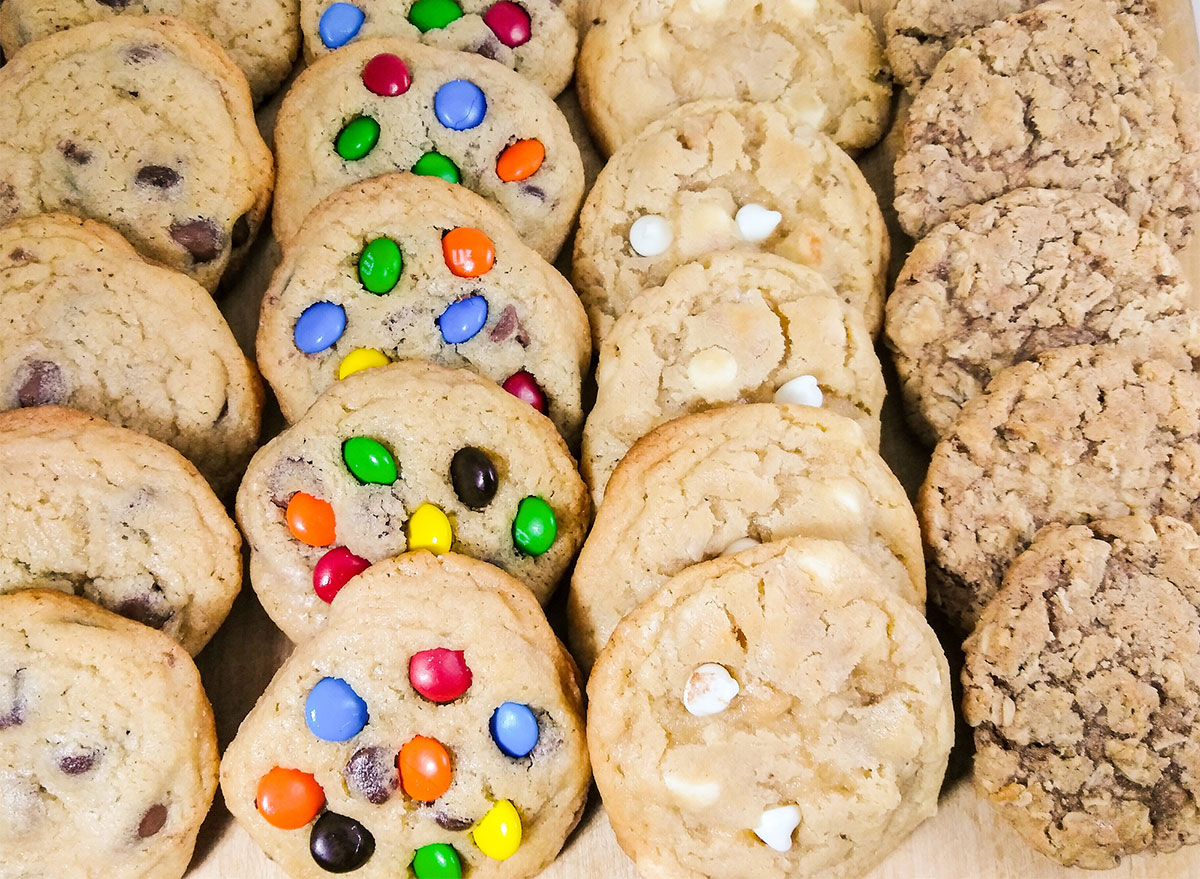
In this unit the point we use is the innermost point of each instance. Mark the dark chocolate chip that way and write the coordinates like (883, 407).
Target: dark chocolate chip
(508, 324)
(152, 821)
(39, 383)
(452, 822)
(114, 4)
(20, 256)
(150, 609)
(371, 774)
(535, 191)
(489, 49)
(202, 238)
(12, 705)
(241, 231)
(74, 153)
(79, 762)
(138, 54)
(158, 176)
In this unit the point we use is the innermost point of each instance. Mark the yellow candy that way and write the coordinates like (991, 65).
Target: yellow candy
(498, 835)
(360, 359)
(430, 529)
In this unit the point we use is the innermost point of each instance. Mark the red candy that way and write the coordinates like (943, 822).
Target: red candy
(440, 675)
(386, 75)
(522, 386)
(334, 570)
(510, 23)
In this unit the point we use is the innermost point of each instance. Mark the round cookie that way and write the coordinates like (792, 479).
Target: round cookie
(262, 37)
(376, 272)
(108, 751)
(393, 105)
(1082, 681)
(718, 176)
(404, 457)
(453, 746)
(780, 713)
(1080, 433)
(1069, 95)
(699, 486)
(814, 59)
(92, 326)
(1032, 270)
(729, 328)
(536, 38)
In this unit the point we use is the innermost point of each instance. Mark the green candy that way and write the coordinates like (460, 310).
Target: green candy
(437, 861)
(379, 265)
(437, 165)
(429, 15)
(358, 138)
(535, 528)
(369, 461)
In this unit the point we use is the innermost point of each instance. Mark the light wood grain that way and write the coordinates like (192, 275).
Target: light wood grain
(963, 841)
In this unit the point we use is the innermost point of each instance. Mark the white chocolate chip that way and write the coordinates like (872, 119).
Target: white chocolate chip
(802, 390)
(713, 370)
(650, 235)
(739, 544)
(776, 825)
(692, 792)
(709, 690)
(804, 7)
(851, 502)
(756, 223)
(710, 7)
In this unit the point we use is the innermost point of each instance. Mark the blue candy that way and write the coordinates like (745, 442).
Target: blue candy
(463, 319)
(319, 327)
(514, 729)
(340, 24)
(334, 712)
(460, 105)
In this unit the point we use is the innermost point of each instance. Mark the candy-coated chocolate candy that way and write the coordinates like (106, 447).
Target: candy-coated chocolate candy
(462, 320)
(369, 461)
(310, 519)
(379, 265)
(339, 844)
(474, 477)
(460, 105)
(340, 24)
(386, 75)
(520, 161)
(334, 712)
(437, 861)
(428, 15)
(510, 23)
(429, 528)
(334, 570)
(498, 835)
(468, 252)
(522, 386)
(514, 729)
(440, 675)
(437, 165)
(319, 327)
(358, 138)
(424, 769)
(360, 359)
(535, 527)
(288, 798)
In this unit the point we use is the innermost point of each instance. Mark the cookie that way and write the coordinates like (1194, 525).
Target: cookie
(729, 328)
(780, 713)
(1081, 682)
(1080, 433)
(404, 457)
(167, 151)
(108, 752)
(403, 267)
(1032, 270)
(718, 176)
(92, 326)
(536, 38)
(714, 482)
(393, 105)
(1069, 95)
(262, 37)
(115, 517)
(815, 60)
(451, 746)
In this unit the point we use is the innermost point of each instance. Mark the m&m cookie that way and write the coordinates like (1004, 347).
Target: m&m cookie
(432, 728)
(394, 105)
(405, 457)
(403, 267)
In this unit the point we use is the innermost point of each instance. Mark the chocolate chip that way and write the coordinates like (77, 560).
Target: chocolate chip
(11, 703)
(371, 774)
(114, 4)
(535, 191)
(489, 49)
(507, 325)
(150, 609)
(202, 238)
(74, 153)
(20, 256)
(158, 176)
(139, 54)
(79, 762)
(39, 383)
(152, 821)
(241, 231)
(452, 822)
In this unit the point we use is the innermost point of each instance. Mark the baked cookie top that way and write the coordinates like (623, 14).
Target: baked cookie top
(395, 105)
(108, 752)
(1032, 270)
(813, 59)
(167, 152)
(1069, 95)
(722, 175)
(1082, 681)
(453, 745)
(779, 713)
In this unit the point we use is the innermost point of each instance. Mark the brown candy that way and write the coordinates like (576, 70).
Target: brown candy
(152, 821)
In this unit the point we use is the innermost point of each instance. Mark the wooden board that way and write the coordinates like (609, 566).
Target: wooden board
(963, 841)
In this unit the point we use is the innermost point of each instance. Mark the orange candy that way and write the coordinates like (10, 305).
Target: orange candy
(468, 252)
(424, 769)
(289, 798)
(520, 161)
(310, 519)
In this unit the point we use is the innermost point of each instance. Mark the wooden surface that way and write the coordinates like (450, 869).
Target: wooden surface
(964, 840)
